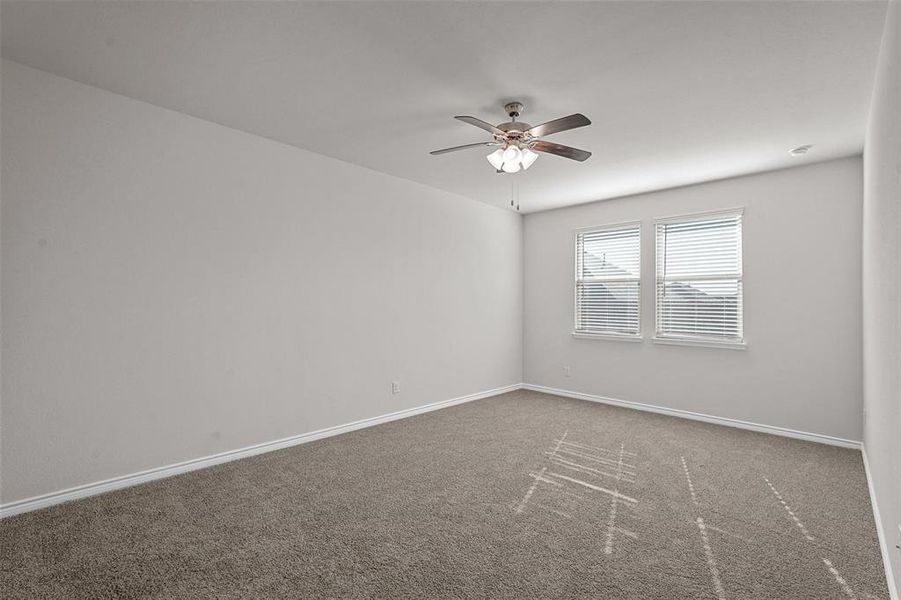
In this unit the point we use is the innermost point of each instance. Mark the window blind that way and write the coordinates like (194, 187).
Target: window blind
(608, 272)
(699, 277)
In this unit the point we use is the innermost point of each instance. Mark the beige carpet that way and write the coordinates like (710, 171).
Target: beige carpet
(519, 496)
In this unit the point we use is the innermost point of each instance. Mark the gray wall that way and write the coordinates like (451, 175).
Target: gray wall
(174, 289)
(881, 282)
(802, 298)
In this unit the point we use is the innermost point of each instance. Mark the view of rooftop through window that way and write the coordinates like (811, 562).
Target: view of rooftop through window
(699, 278)
(608, 274)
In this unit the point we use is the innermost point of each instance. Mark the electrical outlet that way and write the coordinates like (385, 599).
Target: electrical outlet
(395, 387)
(566, 371)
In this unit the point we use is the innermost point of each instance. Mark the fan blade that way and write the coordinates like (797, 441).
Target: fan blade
(481, 124)
(558, 125)
(560, 150)
(455, 148)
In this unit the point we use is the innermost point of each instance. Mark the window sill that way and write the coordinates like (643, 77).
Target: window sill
(674, 341)
(624, 337)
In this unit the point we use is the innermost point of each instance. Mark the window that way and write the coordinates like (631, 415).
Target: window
(699, 287)
(608, 271)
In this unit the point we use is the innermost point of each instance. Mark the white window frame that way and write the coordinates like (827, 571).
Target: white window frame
(605, 335)
(739, 343)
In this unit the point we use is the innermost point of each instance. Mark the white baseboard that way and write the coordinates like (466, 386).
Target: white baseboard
(108, 485)
(673, 412)
(884, 545)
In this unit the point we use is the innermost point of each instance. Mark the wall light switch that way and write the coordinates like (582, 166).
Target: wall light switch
(395, 387)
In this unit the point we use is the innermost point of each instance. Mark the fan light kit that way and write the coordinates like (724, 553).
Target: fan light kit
(518, 142)
(512, 159)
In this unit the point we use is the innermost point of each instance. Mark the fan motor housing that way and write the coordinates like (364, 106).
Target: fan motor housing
(514, 129)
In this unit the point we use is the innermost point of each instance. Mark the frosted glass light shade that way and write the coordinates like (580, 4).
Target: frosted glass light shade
(511, 167)
(528, 157)
(496, 159)
(512, 155)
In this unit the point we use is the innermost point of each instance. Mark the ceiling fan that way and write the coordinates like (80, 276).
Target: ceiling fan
(518, 142)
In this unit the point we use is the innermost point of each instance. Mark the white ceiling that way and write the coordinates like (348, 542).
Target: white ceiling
(678, 92)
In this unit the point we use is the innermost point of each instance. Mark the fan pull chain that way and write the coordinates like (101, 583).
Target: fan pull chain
(514, 197)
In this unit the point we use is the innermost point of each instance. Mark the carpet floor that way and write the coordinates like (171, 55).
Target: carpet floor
(522, 495)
